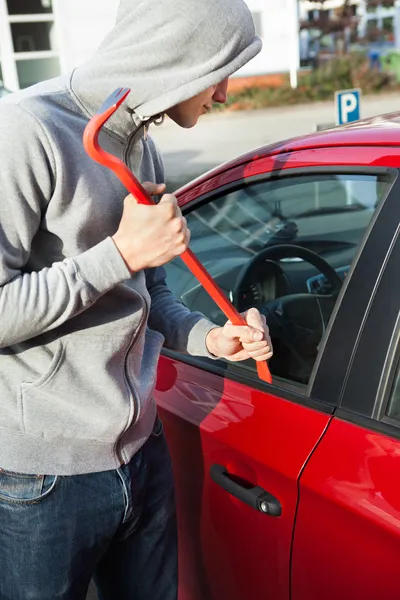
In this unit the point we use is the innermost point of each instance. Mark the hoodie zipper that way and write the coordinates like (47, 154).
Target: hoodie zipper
(134, 396)
(131, 140)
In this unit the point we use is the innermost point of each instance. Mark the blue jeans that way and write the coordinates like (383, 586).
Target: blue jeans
(119, 527)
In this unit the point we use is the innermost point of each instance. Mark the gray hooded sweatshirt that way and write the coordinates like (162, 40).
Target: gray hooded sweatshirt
(80, 337)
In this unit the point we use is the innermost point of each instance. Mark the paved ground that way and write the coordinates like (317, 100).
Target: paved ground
(222, 136)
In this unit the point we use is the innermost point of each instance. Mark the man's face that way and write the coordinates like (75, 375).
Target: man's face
(187, 113)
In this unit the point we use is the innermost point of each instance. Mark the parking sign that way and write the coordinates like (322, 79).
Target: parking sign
(347, 104)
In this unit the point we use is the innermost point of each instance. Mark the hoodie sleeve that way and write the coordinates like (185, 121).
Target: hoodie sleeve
(184, 331)
(34, 302)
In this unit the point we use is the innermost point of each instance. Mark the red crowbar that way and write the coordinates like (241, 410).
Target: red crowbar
(92, 147)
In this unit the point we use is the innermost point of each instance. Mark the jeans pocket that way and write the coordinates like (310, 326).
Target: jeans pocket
(158, 428)
(20, 488)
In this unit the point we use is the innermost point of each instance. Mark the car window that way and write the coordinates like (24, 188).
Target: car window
(284, 246)
(393, 406)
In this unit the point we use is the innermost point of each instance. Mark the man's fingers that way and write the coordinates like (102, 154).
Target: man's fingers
(187, 237)
(254, 346)
(154, 189)
(243, 333)
(263, 354)
(239, 356)
(255, 319)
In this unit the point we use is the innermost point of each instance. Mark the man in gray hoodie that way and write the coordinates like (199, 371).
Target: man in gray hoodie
(85, 480)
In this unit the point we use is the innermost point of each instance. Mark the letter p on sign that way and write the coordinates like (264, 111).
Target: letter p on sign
(347, 106)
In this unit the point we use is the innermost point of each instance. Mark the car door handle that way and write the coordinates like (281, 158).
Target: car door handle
(256, 496)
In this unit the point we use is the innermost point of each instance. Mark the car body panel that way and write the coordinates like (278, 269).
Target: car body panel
(347, 536)
(320, 157)
(225, 545)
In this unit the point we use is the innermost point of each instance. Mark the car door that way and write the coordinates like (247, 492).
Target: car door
(347, 535)
(239, 445)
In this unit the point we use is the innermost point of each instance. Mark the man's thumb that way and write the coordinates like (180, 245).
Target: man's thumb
(154, 189)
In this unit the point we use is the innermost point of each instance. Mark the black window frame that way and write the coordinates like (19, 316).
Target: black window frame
(367, 393)
(317, 394)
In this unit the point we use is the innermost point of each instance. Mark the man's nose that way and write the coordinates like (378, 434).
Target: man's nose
(220, 94)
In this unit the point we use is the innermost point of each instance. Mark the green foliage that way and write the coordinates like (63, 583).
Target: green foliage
(344, 72)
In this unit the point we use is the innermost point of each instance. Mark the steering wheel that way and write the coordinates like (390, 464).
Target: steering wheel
(298, 321)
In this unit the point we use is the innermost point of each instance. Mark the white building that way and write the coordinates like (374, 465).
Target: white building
(40, 39)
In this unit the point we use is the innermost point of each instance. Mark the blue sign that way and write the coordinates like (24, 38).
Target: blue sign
(347, 104)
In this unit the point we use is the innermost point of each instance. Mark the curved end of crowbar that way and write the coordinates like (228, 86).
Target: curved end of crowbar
(92, 130)
(95, 151)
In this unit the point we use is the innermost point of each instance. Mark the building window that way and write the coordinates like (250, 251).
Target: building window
(32, 48)
(33, 7)
(32, 37)
(387, 24)
(32, 71)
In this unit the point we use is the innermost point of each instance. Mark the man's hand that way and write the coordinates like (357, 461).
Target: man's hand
(237, 343)
(151, 236)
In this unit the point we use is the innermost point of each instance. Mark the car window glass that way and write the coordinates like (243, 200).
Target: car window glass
(249, 241)
(393, 407)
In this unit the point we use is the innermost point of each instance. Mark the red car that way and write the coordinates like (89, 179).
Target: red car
(292, 490)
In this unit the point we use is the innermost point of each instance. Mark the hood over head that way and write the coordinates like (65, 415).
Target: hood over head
(166, 51)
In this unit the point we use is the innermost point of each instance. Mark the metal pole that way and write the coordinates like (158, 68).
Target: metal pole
(396, 24)
(295, 43)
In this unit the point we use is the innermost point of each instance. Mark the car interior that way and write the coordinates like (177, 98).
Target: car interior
(285, 246)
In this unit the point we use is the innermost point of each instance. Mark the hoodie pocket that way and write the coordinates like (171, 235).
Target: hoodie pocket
(83, 393)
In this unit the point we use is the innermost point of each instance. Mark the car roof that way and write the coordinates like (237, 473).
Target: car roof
(382, 130)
